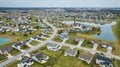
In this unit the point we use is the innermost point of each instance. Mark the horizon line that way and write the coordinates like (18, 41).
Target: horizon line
(59, 7)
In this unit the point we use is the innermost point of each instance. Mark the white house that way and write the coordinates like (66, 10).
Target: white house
(25, 62)
(40, 57)
(54, 47)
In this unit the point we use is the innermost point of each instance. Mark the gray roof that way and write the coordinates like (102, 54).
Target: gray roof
(86, 56)
(7, 48)
(40, 56)
(105, 59)
(18, 44)
(26, 60)
(70, 51)
(52, 45)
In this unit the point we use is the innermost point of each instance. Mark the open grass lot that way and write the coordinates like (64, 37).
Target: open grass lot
(72, 41)
(34, 43)
(46, 36)
(17, 37)
(89, 37)
(87, 44)
(42, 39)
(14, 52)
(57, 39)
(68, 61)
(100, 48)
(116, 63)
(13, 64)
(2, 58)
(116, 30)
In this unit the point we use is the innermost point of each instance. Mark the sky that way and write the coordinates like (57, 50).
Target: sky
(59, 3)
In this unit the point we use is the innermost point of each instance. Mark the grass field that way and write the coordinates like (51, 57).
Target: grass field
(87, 44)
(34, 43)
(57, 39)
(14, 52)
(71, 41)
(116, 63)
(116, 30)
(100, 48)
(2, 58)
(13, 64)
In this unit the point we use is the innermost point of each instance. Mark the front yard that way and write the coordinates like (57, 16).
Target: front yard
(87, 44)
(57, 39)
(72, 41)
(33, 43)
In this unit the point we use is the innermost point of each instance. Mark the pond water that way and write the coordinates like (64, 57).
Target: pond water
(106, 30)
(4, 40)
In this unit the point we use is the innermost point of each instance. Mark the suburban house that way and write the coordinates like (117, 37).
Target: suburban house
(70, 52)
(54, 47)
(5, 50)
(30, 31)
(45, 32)
(25, 62)
(40, 57)
(84, 28)
(76, 29)
(81, 27)
(108, 46)
(26, 41)
(39, 35)
(18, 45)
(34, 38)
(79, 39)
(15, 30)
(103, 61)
(64, 36)
(86, 57)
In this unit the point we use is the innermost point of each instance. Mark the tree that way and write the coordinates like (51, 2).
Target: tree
(25, 34)
(13, 33)
(37, 27)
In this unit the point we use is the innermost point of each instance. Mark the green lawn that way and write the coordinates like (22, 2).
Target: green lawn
(57, 39)
(116, 63)
(100, 48)
(42, 39)
(72, 41)
(2, 58)
(34, 43)
(51, 53)
(14, 52)
(13, 64)
(87, 44)
(47, 36)
(116, 30)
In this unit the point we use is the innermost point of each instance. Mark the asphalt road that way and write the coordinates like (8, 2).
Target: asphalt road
(88, 49)
(33, 48)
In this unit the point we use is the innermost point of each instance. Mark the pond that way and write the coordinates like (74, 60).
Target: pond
(106, 30)
(4, 40)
